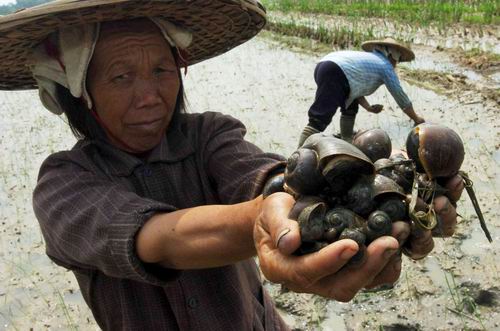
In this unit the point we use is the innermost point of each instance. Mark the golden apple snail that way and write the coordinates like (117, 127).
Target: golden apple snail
(340, 162)
(311, 222)
(389, 197)
(375, 143)
(302, 174)
(359, 198)
(397, 168)
(378, 224)
(319, 175)
(360, 238)
(341, 194)
(438, 152)
(337, 220)
(275, 184)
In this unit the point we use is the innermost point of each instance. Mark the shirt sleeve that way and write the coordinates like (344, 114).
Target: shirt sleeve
(90, 222)
(392, 83)
(238, 168)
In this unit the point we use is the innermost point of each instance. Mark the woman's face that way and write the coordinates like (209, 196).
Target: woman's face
(133, 82)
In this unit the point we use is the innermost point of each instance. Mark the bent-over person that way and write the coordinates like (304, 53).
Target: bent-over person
(344, 78)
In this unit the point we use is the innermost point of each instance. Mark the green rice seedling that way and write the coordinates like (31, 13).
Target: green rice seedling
(341, 37)
(422, 12)
(463, 302)
(64, 307)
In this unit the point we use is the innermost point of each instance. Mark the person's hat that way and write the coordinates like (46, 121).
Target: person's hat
(216, 27)
(406, 53)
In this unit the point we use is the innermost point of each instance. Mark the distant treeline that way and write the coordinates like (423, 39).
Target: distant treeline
(410, 11)
(10, 8)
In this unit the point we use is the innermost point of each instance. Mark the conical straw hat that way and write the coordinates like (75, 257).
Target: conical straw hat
(406, 53)
(216, 25)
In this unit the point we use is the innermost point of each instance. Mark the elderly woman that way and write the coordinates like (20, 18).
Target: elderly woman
(158, 213)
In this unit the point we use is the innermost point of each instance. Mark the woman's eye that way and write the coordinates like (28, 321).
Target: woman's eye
(121, 77)
(161, 70)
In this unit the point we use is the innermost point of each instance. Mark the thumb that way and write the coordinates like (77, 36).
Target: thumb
(284, 231)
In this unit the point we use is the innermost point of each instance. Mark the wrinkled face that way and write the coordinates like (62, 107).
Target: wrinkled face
(133, 82)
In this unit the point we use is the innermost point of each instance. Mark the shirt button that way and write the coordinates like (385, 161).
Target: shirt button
(147, 172)
(193, 303)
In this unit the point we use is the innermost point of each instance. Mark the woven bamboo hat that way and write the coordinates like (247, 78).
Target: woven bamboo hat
(216, 26)
(406, 53)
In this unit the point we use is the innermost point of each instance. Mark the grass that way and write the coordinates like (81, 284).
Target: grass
(64, 307)
(341, 37)
(464, 305)
(422, 12)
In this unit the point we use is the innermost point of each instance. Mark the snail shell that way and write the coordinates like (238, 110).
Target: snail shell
(383, 185)
(341, 163)
(394, 207)
(378, 224)
(301, 203)
(337, 220)
(360, 238)
(311, 222)
(401, 173)
(375, 143)
(383, 164)
(403, 166)
(437, 150)
(302, 175)
(359, 198)
(275, 184)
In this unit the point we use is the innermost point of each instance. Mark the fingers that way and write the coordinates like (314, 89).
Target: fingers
(401, 231)
(390, 274)
(419, 244)
(455, 186)
(447, 217)
(344, 285)
(275, 224)
(377, 108)
(299, 273)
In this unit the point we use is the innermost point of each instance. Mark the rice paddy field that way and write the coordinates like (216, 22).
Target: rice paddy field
(268, 84)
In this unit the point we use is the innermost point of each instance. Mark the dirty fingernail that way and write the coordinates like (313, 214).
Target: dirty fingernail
(402, 236)
(281, 235)
(389, 252)
(397, 266)
(347, 254)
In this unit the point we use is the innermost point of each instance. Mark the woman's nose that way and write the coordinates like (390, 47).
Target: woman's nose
(147, 92)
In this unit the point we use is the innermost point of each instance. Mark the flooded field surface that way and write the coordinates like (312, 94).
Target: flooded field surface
(270, 88)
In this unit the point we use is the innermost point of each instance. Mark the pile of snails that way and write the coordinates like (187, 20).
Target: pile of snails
(358, 190)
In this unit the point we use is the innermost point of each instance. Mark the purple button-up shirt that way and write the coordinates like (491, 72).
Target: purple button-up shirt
(91, 202)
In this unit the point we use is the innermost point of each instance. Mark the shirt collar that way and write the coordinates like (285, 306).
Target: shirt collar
(381, 55)
(174, 146)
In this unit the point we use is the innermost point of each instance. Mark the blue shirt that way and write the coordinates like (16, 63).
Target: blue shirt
(366, 71)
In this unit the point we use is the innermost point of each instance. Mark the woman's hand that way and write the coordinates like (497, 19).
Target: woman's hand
(277, 237)
(420, 242)
(418, 120)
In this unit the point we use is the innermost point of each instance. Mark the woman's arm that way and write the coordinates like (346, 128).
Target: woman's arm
(413, 115)
(200, 237)
(370, 108)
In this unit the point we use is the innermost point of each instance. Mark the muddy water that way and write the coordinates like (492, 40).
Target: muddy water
(270, 89)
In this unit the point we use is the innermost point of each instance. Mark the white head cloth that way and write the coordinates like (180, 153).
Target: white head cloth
(75, 47)
(387, 50)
